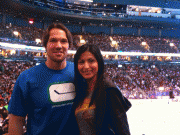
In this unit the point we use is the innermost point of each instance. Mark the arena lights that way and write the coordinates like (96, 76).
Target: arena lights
(86, 1)
(114, 43)
(16, 33)
(171, 44)
(38, 40)
(42, 49)
(21, 47)
(82, 41)
(12, 52)
(31, 21)
(143, 43)
(161, 88)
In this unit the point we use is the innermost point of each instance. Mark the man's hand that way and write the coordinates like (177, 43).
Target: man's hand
(15, 125)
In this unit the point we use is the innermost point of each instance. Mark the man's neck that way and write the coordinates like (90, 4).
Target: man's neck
(56, 65)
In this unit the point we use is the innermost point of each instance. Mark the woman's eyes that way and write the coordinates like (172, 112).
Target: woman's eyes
(89, 61)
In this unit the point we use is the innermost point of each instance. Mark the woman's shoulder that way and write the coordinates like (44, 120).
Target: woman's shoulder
(114, 94)
(108, 83)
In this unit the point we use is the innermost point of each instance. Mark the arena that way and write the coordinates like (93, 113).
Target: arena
(140, 46)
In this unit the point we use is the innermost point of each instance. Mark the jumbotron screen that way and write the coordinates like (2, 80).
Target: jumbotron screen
(58, 0)
(79, 1)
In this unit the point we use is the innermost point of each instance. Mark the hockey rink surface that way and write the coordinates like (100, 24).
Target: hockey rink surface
(154, 117)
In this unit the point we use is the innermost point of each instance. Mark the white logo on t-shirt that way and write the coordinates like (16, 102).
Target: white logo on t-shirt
(61, 92)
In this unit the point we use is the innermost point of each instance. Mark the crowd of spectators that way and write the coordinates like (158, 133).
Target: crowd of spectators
(145, 80)
(9, 71)
(28, 36)
(136, 81)
(133, 43)
(145, 77)
(22, 35)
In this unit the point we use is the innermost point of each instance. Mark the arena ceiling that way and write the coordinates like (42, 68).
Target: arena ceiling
(27, 10)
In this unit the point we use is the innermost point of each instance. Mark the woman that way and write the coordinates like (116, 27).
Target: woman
(100, 108)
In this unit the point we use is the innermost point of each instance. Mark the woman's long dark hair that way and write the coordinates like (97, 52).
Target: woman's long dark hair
(98, 96)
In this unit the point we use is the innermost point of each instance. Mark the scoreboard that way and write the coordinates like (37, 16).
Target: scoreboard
(151, 3)
(126, 2)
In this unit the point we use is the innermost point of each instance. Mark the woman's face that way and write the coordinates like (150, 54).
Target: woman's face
(88, 66)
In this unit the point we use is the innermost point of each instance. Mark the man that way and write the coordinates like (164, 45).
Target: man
(45, 92)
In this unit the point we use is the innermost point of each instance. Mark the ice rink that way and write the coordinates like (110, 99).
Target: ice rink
(154, 117)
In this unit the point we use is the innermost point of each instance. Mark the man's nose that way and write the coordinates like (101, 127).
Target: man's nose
(59, 45)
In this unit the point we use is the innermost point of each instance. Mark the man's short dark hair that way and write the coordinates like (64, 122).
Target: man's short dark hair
(59, 26)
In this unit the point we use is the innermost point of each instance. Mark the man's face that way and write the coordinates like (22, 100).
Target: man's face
(57, 45)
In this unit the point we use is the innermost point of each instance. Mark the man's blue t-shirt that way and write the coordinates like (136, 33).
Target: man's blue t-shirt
(46, 95)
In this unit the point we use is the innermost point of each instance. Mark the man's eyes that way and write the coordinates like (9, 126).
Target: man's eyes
(62, 41)
(53, 40)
